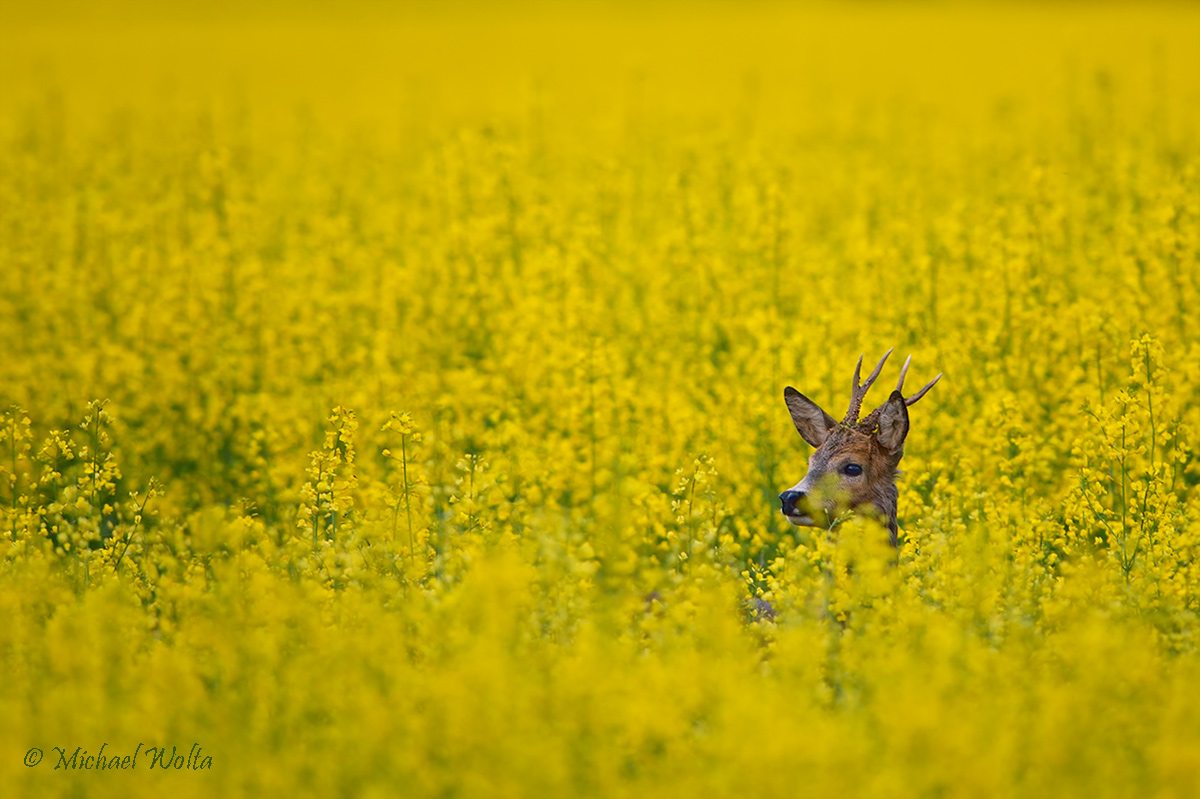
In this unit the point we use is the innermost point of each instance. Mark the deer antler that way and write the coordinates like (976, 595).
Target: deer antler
(859, 392)
(899, 386)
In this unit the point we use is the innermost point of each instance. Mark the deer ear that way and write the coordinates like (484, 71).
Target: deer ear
(812, 422)
(893, 423)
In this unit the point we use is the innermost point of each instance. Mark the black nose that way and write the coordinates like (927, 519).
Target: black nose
(788, 500)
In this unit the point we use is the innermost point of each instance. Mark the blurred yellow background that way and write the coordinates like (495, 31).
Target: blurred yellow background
(391, 397)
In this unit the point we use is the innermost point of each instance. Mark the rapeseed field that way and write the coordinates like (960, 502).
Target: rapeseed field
(392, 399)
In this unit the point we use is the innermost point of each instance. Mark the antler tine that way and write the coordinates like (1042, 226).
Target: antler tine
(855, 399)
(903, 373)
(878, 368)
(923, 391)
(859, 392)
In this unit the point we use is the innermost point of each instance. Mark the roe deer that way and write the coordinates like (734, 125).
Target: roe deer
(854, 465)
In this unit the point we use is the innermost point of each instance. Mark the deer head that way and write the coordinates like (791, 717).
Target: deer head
(854, 464)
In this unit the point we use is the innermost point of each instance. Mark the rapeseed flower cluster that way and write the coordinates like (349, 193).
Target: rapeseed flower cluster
(391, 404)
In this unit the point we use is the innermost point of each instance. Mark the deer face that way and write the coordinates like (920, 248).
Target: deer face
(843, 473)
(854, 464)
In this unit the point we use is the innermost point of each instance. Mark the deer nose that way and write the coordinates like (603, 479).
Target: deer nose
(788, 500)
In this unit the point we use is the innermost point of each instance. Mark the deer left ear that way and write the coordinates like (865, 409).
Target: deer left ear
(811, 422)
(893, 423)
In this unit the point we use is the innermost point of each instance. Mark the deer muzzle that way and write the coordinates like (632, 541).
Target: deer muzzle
(794, 505)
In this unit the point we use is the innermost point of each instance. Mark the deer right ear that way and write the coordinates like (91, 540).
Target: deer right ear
(812, 423)
(893, 423)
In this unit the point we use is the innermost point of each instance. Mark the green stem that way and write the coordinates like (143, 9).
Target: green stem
(1150, 404)
(1124, 497)
(412, 545)
(690, 522)
(316, 513)
(130, 534)
(15, 481)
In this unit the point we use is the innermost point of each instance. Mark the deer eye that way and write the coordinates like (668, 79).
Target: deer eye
(852, 470)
